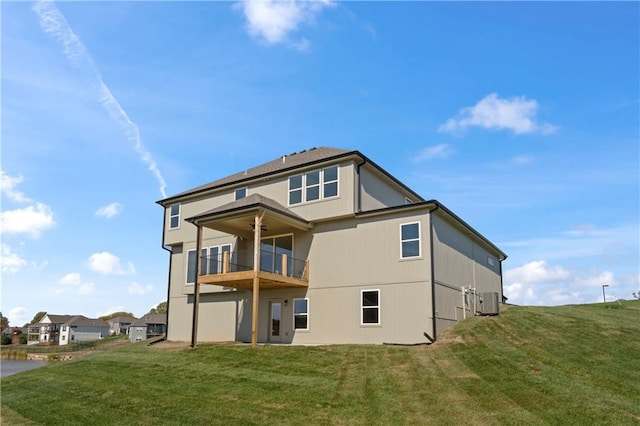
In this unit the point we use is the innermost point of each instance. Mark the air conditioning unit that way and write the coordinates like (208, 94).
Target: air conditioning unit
(489, 304)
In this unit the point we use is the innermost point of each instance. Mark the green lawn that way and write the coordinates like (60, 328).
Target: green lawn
(562, 365)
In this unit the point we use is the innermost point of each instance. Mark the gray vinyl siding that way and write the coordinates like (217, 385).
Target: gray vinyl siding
(459, 260)
(276, 188)
(378, 191)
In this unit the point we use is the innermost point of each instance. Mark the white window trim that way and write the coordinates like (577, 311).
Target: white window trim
(219, 247)
(235, 193)
(172, 216)
(321, 184)
(362, 308)
(294, 314)
(419, 239)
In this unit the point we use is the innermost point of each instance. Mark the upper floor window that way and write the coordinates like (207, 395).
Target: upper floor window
(174, 216)
(410, 240)
(240, 193)
(313, 185)
(407, 200)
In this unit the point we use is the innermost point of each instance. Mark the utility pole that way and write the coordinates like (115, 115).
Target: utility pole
(604, 298)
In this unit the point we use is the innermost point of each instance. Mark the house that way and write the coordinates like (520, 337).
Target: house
(321, 247)
(150, 325)
(64, 329)
(47, 329)
(82, 329)
(120, 325)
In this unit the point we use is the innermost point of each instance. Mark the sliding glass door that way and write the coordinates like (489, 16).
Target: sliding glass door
(272, 250)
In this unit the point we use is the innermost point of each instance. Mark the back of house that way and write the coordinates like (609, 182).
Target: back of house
(320, 247)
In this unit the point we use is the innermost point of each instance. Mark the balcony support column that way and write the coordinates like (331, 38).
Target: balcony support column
(257, 228)
(196, 288)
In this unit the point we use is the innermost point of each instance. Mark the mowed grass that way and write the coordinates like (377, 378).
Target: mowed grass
(531, 365)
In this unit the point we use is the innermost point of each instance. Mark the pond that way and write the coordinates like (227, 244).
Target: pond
(9, 366)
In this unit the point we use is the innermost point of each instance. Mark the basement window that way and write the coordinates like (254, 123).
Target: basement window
(301, 314)
(370, 307)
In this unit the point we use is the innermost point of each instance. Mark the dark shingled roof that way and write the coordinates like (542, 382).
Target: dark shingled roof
(291, 161)
(81, 320)
(252, 200)
(151, 319)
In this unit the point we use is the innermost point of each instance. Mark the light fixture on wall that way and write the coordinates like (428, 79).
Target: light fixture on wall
(286, 302)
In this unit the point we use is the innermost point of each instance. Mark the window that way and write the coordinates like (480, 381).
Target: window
(410, 240)
(330, 182)
(210, 261)
(491, 261)
(174, 216)
(300, 314)
(64, 328)
(407, 200)
(240, 193)
(313, 185)
(295, 189)
(272, 249)
(370, 305)
(63, 337)
(191, 266)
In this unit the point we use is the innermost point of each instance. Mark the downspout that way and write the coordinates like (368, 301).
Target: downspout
(196, 288)
(433, 276)
(170, 250)
(359, 186)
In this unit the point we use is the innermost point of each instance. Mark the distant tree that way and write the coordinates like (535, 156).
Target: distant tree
(117, 314)
(161, 308)
(637, 295)
(5, 339)
(4, 322)
(36, 318)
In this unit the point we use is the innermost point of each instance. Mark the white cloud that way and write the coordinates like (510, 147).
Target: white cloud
(523, 159)
(105, 263)
(442, 150)
(137, 288)
(30, 220)
(517, 114)
(272, 21)
(536, 272)
(55, 24)
(72, 278)
(536, 283)
(18, 316)
(10, 260)
(110, 210)
(8, 187)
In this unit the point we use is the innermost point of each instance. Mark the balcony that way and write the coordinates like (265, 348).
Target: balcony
(236, 270)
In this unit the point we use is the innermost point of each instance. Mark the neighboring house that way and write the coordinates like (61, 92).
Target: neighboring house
(120, 325)
(47, 329)
(321, 246)
(150, 325)
(65, 329)
(82, 329)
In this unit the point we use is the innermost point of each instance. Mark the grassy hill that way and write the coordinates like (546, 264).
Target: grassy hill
(530, 365)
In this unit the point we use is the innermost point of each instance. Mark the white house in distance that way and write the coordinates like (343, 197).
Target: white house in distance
(321, 246)
(65, 329)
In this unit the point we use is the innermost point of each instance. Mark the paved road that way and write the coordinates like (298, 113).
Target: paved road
(9, 367)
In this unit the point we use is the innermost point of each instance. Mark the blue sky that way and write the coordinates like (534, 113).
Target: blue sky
(523, 118)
